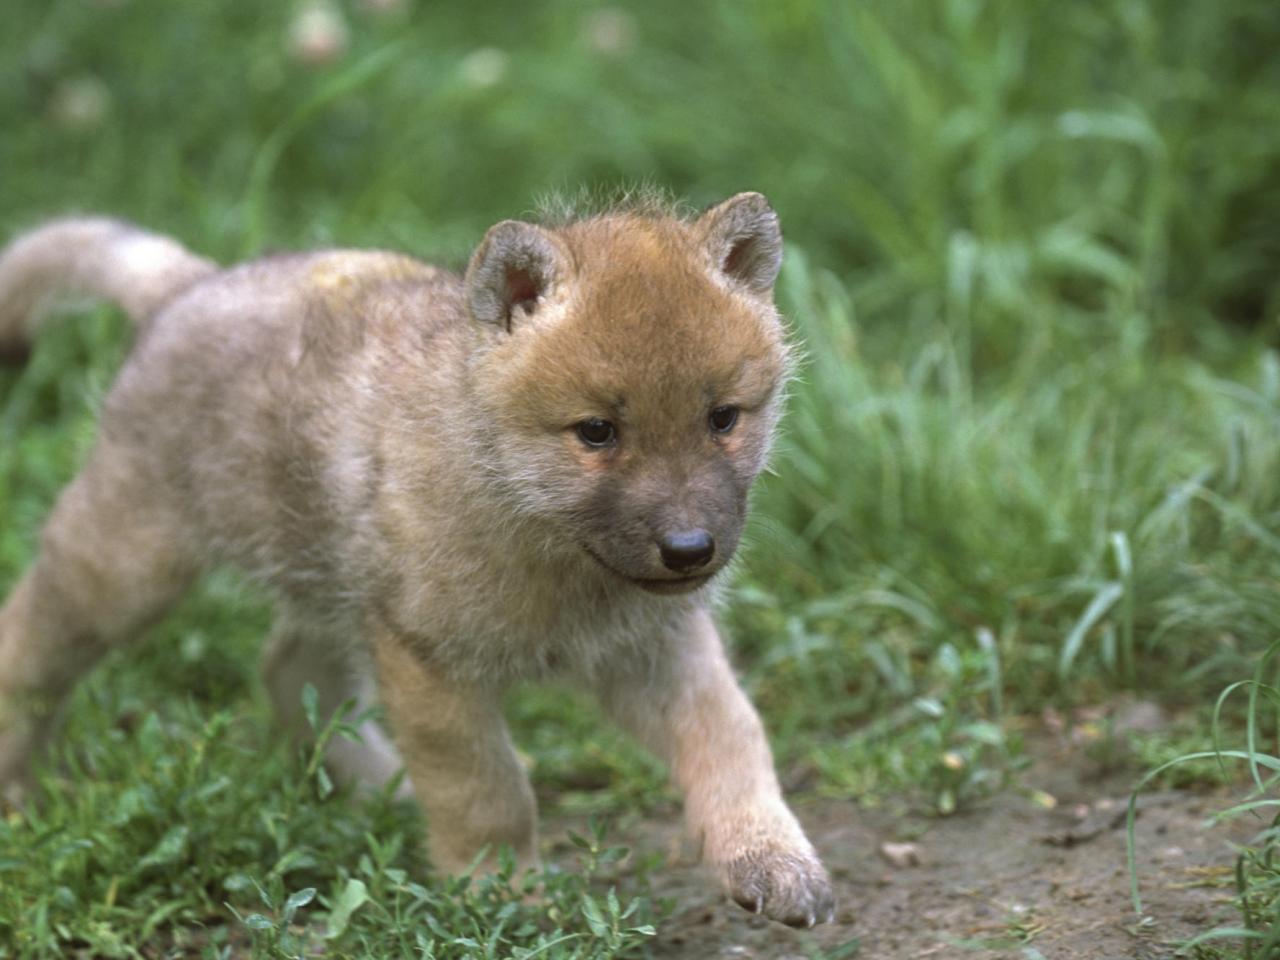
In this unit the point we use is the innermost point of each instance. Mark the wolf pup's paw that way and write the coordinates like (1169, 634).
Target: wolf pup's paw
(787, 885)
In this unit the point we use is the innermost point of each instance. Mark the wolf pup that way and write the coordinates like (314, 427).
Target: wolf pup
(449, 483)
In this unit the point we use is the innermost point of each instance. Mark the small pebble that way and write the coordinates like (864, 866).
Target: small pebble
(900, 855)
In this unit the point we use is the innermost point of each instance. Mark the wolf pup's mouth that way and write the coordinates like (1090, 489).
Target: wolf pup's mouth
(679, 585)
(659, 585)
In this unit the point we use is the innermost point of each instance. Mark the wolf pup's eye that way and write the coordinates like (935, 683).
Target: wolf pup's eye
(596, 432)
(722, 419)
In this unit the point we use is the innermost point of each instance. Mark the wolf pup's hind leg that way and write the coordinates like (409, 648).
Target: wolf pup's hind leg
(112, 559)
(303, 651)
(115, 553)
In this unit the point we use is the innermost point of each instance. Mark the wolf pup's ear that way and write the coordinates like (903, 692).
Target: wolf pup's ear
(744, 240)
(514, 267)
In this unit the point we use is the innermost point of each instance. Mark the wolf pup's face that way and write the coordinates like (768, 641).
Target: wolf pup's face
(630, 379)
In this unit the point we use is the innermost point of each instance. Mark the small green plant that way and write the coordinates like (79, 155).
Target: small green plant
(381, 912)
(1257, 871)
(277, 938)
(948, 743)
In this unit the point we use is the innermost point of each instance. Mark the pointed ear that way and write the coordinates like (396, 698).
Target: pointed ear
(514, 267)
(744, 240)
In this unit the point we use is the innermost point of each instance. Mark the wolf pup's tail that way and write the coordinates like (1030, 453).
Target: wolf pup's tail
(88, 258)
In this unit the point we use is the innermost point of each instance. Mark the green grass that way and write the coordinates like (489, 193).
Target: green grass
(1257, 868)
(1032, 457)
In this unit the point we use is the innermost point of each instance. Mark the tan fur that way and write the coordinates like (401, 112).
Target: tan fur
(399, 454)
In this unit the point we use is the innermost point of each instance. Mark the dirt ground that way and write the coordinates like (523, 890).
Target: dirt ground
(1011, 878)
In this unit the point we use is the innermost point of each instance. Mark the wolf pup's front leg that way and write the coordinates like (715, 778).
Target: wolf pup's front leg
(460, 759)
(692, 713)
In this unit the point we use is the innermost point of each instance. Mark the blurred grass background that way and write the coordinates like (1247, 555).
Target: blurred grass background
(1032, 459)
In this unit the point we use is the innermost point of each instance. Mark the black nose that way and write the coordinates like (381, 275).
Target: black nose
(687, 550)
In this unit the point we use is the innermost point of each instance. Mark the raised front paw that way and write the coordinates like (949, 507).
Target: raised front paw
(787, 885)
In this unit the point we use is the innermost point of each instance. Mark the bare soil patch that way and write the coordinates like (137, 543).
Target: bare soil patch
(1007, 878)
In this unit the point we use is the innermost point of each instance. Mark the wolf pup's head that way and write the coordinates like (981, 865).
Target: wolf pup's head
(629, 378)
